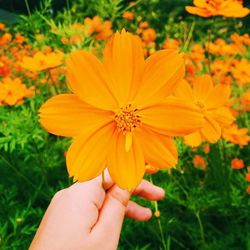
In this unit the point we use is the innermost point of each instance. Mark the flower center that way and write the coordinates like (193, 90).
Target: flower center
(42, 63)
(201, 106)
(127, 119)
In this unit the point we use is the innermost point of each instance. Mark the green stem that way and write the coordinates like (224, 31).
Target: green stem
(41, 164)
(197, 214)
(68, 10)
(162, 235)
(157, 214)
(23, 176)
(190, 33)
(208, 51)
(210, 32)
(27, 7)
(53, 88)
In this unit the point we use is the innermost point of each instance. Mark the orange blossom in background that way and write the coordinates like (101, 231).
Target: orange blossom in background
(227, 8)
(211, 101)
(41, 61)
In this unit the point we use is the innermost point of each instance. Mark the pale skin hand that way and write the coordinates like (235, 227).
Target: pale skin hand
(84, 216)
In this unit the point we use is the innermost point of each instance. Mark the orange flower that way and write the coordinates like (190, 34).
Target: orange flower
(197, 53)
(199, 162)
(211, 100)
(148, 35)
(4, 69)
(101, 30)
(76, 39)
(248, 177)
(227, 8)
(5, 39)
(171, 44)
(2, 26)
(220, 47)
(40, 61)
(206, 148)
(128, 15)
(120, 114)
(19, 39)
(236, 135)
(64, 40)
(237, 163)
(143, 25)
(245, 100)
(240, 72)
(248, 189)
(13, 91)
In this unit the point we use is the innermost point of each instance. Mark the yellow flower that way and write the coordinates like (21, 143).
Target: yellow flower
(121, 114)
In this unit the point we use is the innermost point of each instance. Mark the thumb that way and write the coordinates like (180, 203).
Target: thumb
(111, 216)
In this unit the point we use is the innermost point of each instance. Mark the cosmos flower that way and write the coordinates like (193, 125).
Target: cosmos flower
(121, 114)
(12, 91)
(211, 100)
(237, 163)
(227, 8)
(199, 162)
(41, 61)
(236, 135)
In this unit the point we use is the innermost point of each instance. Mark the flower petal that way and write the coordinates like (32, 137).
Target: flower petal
(202, 86)
(200, 3)
(67, 115)
(233, 9)
(89, 81)
(159, 150)
(184, 91)
(161, 74)
(223, 116)
(211, 130)
(123, 59)
(125, 168)
(193, 140)
(172, 117)
(86, 157)
(218, 97)
(198, 11)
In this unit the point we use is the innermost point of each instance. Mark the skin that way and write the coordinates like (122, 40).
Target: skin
(85, 216)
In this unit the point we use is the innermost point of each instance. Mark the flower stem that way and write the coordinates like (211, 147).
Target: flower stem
(157, 215)
(23, 176)
(53, 89)
(190, 33)
(27, 7)
(197, 214)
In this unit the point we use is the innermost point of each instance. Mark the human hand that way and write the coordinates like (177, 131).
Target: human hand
(85, 216)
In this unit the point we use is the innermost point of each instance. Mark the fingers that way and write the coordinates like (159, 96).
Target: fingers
(91, 191)
(108, 182)
(87, 192)
(137, 212)
(112, 215)
(149, 191)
